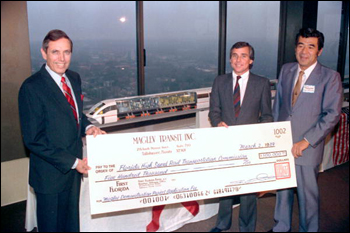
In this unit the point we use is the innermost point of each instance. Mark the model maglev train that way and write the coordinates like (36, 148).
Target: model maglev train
(112, 110)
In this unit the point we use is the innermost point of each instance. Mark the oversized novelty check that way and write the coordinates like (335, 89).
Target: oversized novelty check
(136, 170)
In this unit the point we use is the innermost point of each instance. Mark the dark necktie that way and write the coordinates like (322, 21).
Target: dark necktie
(297, 88)
(237, 97)
(68, 94)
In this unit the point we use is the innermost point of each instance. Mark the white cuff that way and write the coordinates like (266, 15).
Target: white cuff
(75, 164)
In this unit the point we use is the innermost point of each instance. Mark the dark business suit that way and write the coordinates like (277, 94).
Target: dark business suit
(53, 137)
(313, 116)
(255, 108)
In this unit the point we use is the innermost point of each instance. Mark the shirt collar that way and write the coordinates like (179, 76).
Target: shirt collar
(56, 77)
(243, 76)
(308, 71)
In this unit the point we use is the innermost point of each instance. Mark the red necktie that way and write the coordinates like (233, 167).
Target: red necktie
(237, 97)
(68, 94)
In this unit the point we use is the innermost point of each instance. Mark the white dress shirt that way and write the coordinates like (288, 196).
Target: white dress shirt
(57, 78)
(306, 75)
(242, 83)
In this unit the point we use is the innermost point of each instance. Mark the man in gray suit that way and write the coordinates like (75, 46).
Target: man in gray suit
(309, 95)
(239, 98)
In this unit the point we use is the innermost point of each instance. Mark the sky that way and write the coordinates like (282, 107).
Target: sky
(164, 21)
(192, 21)
(82, 20)
(101, 20)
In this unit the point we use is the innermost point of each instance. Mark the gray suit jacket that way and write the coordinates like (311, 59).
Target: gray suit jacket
(315, 113)
(256, 105)
(255, 108)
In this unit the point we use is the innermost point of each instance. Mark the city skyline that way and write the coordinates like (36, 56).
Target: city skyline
(180, 39)
(109, 69)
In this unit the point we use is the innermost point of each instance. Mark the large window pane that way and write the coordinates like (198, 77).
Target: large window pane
(181, 42)
(328, 22)
(104, 38)
(346, 73)
(258, 24)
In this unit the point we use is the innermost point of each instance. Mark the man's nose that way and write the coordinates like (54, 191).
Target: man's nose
(61, 57)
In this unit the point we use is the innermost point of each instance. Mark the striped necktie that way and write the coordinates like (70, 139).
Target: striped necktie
(237, 97)
(68, 94)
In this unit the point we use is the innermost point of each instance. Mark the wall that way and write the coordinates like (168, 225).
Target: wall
(15, 68)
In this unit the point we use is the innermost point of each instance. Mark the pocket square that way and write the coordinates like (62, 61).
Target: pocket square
(82, 97)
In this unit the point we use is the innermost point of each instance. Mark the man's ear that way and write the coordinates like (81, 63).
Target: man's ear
(43, 53)
(320, 52)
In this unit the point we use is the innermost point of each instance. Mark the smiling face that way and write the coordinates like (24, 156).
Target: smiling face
(306, 51)
(58, 55)
(240, 60)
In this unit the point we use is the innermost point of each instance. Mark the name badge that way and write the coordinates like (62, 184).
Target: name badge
(309, 89)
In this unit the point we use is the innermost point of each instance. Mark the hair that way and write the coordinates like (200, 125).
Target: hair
(55, 35)
(241, 44)
(311, 32)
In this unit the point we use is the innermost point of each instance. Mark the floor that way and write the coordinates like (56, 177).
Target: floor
(334, 191)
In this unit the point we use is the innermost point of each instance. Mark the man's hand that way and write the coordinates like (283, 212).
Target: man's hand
(95, 131)
(82, 166)
(222, 124)
(297, 149)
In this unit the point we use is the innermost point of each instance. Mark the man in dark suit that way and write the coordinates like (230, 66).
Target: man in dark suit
(52, 121)
(252, 105)
(309, 95)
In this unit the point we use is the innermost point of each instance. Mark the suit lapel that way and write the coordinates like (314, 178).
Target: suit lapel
(249, 92)
(290, 82)
(314, 77)
(313, 80)
(76, 92)
(55, 92)
(250, 89)
(75, 87)
(228, 90)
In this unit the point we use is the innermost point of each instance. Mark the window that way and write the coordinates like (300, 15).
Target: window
(104, 43)
(346, 72)
(328, 22)
(258, 24)
(181, 42)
